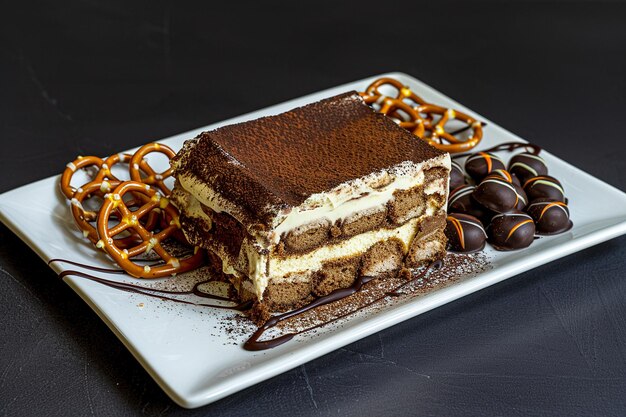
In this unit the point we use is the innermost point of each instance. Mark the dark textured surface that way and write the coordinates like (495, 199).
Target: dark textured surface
(277, 162)
(80, 77)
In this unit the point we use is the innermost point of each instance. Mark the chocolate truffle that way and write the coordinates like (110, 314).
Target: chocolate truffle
(481, 164)
(551, 217)
(465, 233)
(527, 165)
(496, 194)
(509, 231)
(457, 177)
(544, 186)
(461, 201)
(522, 198)
(506, 175)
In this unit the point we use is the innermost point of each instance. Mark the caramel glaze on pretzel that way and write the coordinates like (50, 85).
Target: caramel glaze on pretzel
(79, 163)
(403, 92)
(138, 164)
(151, 241)
(438, 132)
(103, 167)
(401, 113)
(102, 182)
(84, 218)
(143, 221)
(431, 118)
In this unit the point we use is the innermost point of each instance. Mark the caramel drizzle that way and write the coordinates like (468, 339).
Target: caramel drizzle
(487, 158)
(517, 226)
(504, 174)
(254, 344)
(544, 180)
(459, 230)
(550, 205)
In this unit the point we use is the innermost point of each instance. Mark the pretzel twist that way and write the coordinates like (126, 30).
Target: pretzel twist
(84, 218)
(438, 133)
(130, 221)
(400, 112)
(103, 177)
(138, 164)
(103, 171)
(79, 163)
(425, 120)
(143, 221)
(403, 92)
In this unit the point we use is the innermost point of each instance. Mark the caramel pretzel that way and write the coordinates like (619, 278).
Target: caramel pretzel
(138, 165)
(438, 133)
(130, 221)
(84, 218)
(431, 130)
(103, 178)
(104, 171)
(72, 167)
(403, 91)
(401, 113)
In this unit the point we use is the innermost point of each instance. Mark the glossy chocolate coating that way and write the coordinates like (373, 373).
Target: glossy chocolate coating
(506, 175)
(457, 176)
(522, 198)
(509, 231)
(496, 194)
(544, 186)
(481, 164)
(526, 165)
(551, 217)
(461, 201)
(465, 233)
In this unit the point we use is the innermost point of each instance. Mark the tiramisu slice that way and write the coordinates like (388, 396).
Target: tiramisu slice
(300, 204)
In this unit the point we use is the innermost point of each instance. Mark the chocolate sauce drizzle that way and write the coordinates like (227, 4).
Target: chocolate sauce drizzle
(507, 146)
(465, 128)
(254, 344)
(90, 267)
(150, 292)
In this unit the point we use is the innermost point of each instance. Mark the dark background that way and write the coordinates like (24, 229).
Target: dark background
(88, 77)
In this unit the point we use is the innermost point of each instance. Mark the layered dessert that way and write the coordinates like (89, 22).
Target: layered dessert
(297, 205)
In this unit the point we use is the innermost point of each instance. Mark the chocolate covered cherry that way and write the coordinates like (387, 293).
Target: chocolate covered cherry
(465, 233)
(527, 165)
(551, 217)
(509, 231)
(496, 194)
(544, 186)
(481, 164)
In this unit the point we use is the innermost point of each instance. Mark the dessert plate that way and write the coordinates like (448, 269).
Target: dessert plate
(192, 352)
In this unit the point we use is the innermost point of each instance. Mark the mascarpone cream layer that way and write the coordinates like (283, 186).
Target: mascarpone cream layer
(285, 269)
(356, 245)
(261, 268)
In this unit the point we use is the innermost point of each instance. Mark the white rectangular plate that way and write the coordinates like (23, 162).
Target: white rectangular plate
(183, 346)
